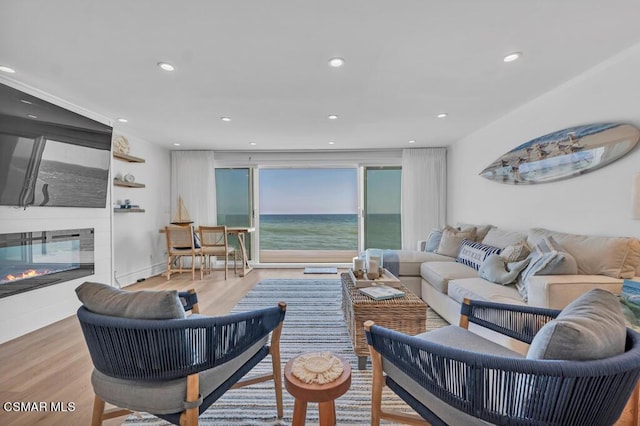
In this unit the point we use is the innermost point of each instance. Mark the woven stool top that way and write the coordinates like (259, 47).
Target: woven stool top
(317, 367)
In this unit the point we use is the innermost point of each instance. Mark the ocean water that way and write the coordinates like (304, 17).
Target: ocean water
(326, 231)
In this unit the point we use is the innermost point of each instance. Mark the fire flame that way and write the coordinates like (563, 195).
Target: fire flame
(29, 273)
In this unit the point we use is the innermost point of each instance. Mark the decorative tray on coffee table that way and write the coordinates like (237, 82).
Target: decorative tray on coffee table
(387, 278)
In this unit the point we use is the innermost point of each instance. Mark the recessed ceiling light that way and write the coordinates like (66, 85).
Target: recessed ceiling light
(333, 117)
(165, 66)
(123, 120)
(7, 69)
(336, 62)
(512, 56)
(32, 116)
(412, 141)
(227, 119)
(176, 144)
(442, 115)
(24, 101)
(252, 143)
(332, 143)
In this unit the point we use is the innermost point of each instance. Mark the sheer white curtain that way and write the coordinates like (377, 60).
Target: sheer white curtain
(193, 178)
(424, 193)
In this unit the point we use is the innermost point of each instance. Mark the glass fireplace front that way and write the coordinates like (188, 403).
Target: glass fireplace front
(30, 260)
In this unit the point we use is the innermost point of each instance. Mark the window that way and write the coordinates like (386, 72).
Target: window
(382, 207)
(312, 209)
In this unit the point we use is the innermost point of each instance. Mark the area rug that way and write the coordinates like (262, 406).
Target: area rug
(313, 322)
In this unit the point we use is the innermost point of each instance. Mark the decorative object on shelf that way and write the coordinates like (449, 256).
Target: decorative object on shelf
(129, 178)
(182, 216)
(563, 154)
(121, 145)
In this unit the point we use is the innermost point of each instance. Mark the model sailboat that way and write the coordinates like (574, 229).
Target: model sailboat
(181, 217)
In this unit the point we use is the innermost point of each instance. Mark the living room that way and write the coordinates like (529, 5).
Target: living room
(579, 89)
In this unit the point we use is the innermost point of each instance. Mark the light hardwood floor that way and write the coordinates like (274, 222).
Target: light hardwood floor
(53, 365)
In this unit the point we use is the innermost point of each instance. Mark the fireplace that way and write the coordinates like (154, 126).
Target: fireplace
(31, 260)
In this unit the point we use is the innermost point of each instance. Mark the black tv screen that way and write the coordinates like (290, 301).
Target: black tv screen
(50, 156)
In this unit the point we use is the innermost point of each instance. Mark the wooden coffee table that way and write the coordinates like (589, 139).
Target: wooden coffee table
(406, 314)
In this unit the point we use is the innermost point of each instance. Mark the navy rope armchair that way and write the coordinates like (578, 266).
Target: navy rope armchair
(176, 368)
(479, 388)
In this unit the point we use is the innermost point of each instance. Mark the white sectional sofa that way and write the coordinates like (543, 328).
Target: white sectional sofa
(442, 282)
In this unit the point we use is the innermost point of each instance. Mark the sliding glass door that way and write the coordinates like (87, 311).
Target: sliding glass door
(310, 215)
(234, 200)
(382, 207)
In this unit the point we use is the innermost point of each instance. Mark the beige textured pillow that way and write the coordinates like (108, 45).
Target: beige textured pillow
(452, 238)
(481, 230)
(515, 252)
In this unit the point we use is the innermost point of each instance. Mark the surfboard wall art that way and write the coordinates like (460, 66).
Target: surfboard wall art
(563, 154)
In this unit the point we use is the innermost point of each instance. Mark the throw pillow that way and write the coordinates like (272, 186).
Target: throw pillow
(451, 240)
(473, 254)
(481, 230)
(567, 266)
(106, 300)
(515, 252)
(496, 270)
(591, 327)
(544, 255)
(433, 240)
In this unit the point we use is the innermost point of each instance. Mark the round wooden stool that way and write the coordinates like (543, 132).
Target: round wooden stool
(325, 394)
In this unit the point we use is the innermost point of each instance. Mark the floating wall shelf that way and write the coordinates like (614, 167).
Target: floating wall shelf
(128, 158)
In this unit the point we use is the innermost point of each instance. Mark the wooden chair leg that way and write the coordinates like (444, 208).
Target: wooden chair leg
(377, 382)
(190, 416)
(98, 409)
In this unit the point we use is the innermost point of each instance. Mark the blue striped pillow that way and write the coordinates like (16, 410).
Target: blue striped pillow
(473, 254)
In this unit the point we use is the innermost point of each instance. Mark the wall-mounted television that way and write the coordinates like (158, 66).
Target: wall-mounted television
(50, 156)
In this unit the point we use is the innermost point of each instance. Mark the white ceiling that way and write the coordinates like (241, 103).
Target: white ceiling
(264, 64)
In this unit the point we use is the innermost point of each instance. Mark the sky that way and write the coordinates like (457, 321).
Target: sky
(307, 191)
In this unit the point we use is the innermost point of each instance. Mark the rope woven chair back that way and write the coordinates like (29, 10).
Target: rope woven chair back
(180, 237)
(213, 236)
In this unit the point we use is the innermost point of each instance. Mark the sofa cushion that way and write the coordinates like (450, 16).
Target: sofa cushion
(590, 327)
(496, 270)
(480, 289)
(500, 238)
(451, 240)
(146, 304)
(616, 257)
(410, 261)
(473, 254)
(557, 291)
(438, 274)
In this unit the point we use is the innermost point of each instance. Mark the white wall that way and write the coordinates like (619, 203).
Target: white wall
(595, 203)
(139, 248)
(134, 237)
